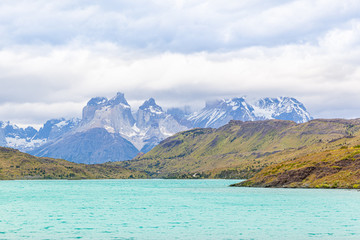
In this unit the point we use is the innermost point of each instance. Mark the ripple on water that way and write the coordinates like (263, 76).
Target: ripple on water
(173, 209)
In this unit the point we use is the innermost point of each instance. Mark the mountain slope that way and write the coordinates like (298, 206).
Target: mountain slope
(338, 168)
(95, 145)
(17, 165)
(240, 149)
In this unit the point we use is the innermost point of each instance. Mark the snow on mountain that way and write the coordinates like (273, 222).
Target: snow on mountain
(284, 108)
(219, 113)
(24, 144)
(148, 113)
(29, 138)
(13, 136)
(55, 128)
(114, 115)
(150, 125)
(155, 125)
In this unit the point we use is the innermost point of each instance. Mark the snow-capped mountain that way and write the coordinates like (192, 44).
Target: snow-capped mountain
(219, 113)
(104, 134)
(149, 112)
(284, 108)
(15, 137)
(154, 125)
(114, 115)
(55, 128)
(29, 138)
(150, 126)
(110, 131)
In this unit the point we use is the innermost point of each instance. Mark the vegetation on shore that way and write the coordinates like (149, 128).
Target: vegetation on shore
(338, 168)
(18, 165)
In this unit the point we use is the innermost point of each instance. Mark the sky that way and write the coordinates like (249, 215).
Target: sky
(56, 55)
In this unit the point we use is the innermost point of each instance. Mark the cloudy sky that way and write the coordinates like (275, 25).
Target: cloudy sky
(56, 55)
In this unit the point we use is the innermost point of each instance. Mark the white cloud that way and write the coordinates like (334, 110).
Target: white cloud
(54, 56)
(36, 113)
(177, 26)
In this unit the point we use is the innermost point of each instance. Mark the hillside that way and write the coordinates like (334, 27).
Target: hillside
(328, 169)
(241, 149)
(17, 165)
(93, 146)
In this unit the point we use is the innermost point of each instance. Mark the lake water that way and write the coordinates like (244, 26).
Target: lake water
(173, 209)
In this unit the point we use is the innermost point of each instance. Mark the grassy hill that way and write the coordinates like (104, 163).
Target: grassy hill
(241, 149)
(338, 168)
(17, 165)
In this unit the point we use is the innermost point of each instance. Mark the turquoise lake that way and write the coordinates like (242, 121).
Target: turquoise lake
(173, 209)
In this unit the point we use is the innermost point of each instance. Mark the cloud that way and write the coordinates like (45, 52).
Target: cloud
(55, 56)
(327, 72)
(35, 114)
(176, 26)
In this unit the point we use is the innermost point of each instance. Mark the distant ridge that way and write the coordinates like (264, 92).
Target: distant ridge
(18, 165)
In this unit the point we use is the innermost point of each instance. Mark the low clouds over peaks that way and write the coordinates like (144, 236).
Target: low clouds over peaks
(180, 52)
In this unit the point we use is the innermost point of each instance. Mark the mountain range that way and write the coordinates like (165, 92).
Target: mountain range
(110, 131)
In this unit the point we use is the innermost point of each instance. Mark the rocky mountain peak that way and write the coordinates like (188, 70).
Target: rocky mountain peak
(151, 106)
(114, 115)
(220, 112)
(118, 99)
(100, 103)
(149, 113)
(277, 102)
(284, 108)
(57, 127)
(97, 101)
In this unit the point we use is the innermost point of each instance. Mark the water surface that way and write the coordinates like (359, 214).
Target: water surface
(173, 209)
